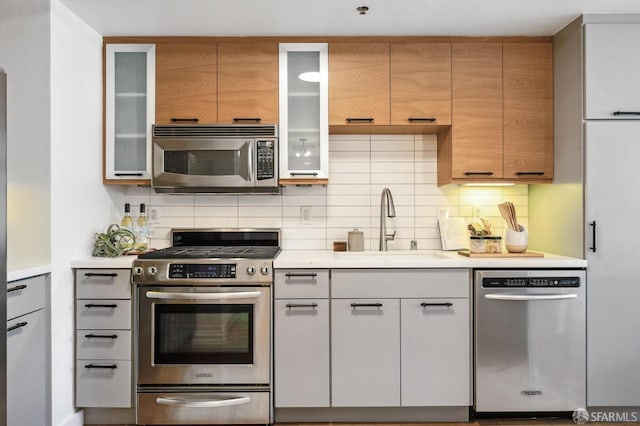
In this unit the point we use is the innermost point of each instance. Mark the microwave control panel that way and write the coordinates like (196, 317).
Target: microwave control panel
(266, 160)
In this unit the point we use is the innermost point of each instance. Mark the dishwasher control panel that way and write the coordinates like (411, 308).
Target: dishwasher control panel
(506, 282)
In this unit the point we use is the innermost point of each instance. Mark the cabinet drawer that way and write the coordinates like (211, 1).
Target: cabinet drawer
(105, 383)
(301, 283)
(103, 284)
(25, 296)
(103, 344)
(400, 283)
(103, 314)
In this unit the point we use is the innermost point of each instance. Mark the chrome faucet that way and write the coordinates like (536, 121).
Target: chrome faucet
(390, 211)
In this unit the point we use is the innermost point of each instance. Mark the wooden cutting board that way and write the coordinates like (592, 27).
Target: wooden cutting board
(504, 255)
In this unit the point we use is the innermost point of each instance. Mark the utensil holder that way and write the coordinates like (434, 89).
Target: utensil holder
(516, 242)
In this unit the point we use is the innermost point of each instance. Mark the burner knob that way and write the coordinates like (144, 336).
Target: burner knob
(138, 270)
(251, 270)
(152, 270)
(265, 270)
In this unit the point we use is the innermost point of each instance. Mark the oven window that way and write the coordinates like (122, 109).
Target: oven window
(203, 334)
(204, 163)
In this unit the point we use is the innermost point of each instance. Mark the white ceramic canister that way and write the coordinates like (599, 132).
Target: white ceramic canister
(516, 242)
(356, 240)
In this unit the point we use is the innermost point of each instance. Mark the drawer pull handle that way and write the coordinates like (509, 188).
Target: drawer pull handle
(17, 326)
(428, 119)
(100, 274)
(98, 305)
(359, 120)
(297, 275)
(426, 305)
(238, 119)
(108, 367)
(366, 305)
(101, 336)
(593, 236)
(16, 288)
(302, 305)
(177, 402)
(478, 173)
(184, 120)
(128, 174)
(626, 113)
(530, 173)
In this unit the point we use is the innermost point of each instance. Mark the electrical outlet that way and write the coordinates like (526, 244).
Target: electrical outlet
(154, 215)
(305, 215)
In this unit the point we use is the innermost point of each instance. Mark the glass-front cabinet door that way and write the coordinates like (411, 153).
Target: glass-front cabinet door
(304, 131)
(129, 111)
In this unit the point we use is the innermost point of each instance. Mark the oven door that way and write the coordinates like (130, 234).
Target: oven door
(203, 163)
(203, 335)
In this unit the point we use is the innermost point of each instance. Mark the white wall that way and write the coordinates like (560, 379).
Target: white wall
(360, 166)
(24, 53)
(80, 204)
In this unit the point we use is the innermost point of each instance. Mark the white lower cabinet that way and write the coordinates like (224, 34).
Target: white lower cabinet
(301, 346)
(435, 350)
(398, 338)
(103, 338)
(365, 352)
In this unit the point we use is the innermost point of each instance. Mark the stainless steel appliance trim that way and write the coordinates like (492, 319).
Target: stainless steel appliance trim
(208, 131)
(521, 297)
(198, 403)
(203, 296)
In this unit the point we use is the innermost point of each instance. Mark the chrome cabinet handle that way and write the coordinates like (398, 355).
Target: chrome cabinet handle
(194, 403)
(519, 297)
(203, 296)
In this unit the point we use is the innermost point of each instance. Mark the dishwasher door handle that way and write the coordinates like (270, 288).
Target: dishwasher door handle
(525, 297)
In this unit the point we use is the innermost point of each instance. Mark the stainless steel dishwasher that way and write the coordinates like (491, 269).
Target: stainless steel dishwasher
(530, 340)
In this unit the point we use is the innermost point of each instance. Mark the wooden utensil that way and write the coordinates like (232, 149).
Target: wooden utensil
(508, 212)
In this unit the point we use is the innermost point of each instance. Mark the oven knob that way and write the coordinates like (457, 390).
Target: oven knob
(264, 270)
(152, 270)
(138, 270)
(251, 270)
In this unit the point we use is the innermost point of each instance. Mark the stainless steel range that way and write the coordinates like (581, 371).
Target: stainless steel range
(204, 328)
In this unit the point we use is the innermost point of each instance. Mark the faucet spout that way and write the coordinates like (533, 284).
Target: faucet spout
(387, 209)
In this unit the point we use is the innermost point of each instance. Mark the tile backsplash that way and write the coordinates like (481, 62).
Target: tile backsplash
(360, 167)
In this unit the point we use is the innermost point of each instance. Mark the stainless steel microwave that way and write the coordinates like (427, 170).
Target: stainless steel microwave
(215, 158)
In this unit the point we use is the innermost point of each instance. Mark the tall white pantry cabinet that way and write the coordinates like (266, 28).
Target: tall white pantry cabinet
(597, 140)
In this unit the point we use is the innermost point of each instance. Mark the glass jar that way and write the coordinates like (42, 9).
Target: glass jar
(484, 244)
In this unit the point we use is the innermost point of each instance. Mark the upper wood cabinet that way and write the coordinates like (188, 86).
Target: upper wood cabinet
(248, 82)
(476, 97)
(527, 110)
(186, 82)
(358, 83)
(420, 83)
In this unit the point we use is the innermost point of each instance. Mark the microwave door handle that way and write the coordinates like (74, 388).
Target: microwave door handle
(203, 296)
(250, 162)
(179, 402)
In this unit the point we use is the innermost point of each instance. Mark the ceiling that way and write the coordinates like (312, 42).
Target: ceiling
(337, 17)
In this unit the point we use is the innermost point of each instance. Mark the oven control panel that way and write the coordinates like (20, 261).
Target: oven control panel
(202, 270)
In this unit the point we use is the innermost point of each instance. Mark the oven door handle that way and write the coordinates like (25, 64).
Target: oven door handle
(177, 402)
(203, 296)
(530, 297)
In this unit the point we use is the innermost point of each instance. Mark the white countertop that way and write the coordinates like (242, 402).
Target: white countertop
(20, 272)
(103, 262)
(415, 259)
